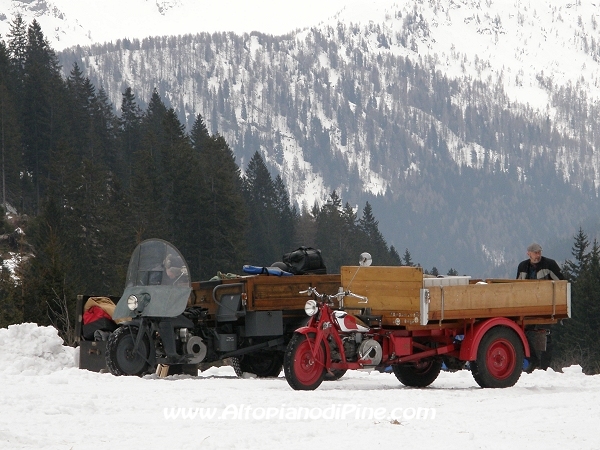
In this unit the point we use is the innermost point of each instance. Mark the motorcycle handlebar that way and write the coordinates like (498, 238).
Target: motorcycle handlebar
(339, 296)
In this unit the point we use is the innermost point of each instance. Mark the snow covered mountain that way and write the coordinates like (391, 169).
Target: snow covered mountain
(471, 126)
(69, 23)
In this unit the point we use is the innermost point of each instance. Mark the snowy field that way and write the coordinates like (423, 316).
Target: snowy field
(47, 402)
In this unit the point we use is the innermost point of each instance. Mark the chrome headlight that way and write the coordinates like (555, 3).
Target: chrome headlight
(311, 308)
(132, 302)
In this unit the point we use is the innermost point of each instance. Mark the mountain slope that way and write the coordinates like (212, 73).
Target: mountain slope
(70, 22)
(469, 133)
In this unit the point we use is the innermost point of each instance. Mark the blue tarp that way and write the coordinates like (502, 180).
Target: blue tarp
(256, 270)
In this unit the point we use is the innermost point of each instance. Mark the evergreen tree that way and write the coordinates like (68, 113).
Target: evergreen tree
(395, 257)
(287, 216)
(10, 154)
(575, 341)
(200, 136)
(223, 218)
(375, 243)
(129, 136)
(334, 234)
(264, 234)
(47, 277)
(17, 46)
(408, 258)
(579, 249)
(148, 190)
(42, 95)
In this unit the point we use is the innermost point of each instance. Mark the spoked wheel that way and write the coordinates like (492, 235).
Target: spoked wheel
(121, 358)
(418, 374)
(262, 364)
(499, 360)
(303, 370)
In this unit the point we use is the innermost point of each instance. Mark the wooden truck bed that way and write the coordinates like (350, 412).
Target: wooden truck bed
(402, 297)
(264, 292)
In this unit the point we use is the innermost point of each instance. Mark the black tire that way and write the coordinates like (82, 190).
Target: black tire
(334, 374)
(262, 364)
(418, 374)
(120, 359)
(499, 360)
(235, 363)
(304, 372)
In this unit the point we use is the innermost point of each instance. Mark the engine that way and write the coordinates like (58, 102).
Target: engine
(190, 345)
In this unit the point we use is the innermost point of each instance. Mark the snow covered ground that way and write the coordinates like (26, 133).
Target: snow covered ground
(47, 402)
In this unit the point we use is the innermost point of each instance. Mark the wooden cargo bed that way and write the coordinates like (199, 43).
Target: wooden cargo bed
(400, 297)
(266, 293)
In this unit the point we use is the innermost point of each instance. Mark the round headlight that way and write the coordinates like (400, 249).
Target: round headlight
(132, 302)
(311, 308)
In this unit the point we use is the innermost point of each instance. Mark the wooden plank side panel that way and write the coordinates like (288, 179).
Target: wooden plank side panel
(387, 288)
(203, 296)
(352, 274)
(386, 296)
(540, 298)
(269, 293)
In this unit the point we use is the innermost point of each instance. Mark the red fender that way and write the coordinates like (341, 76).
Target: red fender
(306, 331)
(470, 344)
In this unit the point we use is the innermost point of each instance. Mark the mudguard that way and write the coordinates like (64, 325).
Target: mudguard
(470, 344)
(319, 337)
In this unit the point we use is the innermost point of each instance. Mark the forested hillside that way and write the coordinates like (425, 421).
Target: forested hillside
(449, 163)
(85, 185)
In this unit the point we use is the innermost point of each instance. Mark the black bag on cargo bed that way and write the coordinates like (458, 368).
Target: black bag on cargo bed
(305, 260)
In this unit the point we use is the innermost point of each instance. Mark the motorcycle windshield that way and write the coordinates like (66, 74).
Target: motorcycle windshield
(158, 269)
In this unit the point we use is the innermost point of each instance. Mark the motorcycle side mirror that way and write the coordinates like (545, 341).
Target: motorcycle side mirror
(365, 259)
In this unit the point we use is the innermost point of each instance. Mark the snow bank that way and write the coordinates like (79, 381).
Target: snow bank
(28, 349)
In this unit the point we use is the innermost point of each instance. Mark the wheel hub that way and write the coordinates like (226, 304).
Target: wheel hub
(501, 359)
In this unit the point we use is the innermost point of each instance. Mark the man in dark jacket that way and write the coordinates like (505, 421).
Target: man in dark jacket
(537, 267)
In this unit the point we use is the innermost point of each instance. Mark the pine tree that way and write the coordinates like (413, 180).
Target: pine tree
(287, 216)
(17, 47)
(42, 93)
(223, 210)
(576, 340)
(375, 243)
(408, 258)
(335, 231)
(573, 269)
(129, 136)
(148, 190)
(10, 155)
(395, 257)
(264, 235)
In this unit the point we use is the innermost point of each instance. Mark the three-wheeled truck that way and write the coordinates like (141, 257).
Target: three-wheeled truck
(167, 322)
(394, 316)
